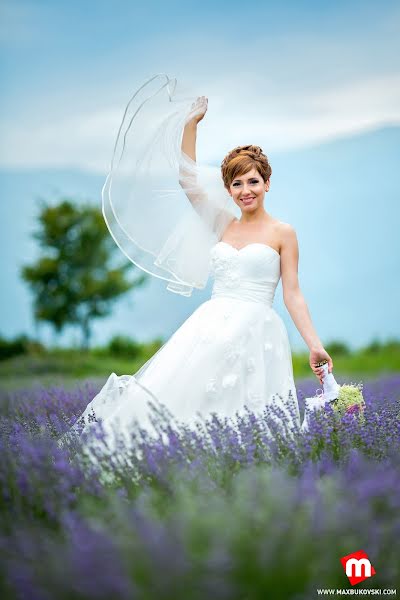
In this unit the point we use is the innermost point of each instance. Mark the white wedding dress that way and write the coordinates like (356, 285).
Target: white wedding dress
(231, 352)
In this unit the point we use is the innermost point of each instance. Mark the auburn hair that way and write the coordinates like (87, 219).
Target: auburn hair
(242, 159)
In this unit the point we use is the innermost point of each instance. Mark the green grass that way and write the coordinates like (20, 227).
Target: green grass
(65, 367)
(361, 362)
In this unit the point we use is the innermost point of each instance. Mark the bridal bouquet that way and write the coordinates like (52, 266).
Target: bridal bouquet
(344, 399)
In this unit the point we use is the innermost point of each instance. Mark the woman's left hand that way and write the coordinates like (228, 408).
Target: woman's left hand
(316, 356)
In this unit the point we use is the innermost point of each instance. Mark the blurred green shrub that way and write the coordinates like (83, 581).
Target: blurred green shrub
(124, 346)
(391, 344)
(376, 346)
(337, 348)
(19, 345)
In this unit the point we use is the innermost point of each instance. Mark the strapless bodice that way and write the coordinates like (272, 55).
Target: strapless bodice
(249, 273)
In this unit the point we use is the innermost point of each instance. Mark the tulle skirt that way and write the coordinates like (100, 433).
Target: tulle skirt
(230, 353)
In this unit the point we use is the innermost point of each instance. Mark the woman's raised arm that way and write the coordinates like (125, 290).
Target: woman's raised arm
(189, 139)
(210, 210)
(188, 146)
(199, 109)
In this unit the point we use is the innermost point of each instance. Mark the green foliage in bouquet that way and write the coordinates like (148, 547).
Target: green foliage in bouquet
(350, 400)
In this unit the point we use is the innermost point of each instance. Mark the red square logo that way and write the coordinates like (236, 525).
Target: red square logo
(357, 567)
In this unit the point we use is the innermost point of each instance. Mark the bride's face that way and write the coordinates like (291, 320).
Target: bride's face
(248, 190)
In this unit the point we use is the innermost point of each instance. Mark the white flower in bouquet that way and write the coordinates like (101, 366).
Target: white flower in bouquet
(344, 399)
(350, 399)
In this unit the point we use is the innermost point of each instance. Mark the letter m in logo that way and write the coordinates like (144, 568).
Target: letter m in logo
(357, 567)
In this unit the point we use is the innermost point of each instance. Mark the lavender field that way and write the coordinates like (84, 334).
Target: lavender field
(199, 515)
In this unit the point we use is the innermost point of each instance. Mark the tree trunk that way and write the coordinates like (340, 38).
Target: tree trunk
(86, 333)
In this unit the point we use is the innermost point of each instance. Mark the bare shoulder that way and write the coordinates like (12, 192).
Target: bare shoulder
(285, 228)
(286, 231)
(288, 237)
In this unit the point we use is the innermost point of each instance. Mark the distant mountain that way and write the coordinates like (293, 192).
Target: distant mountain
(342, 197)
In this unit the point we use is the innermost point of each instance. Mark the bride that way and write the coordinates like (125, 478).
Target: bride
(233, 351)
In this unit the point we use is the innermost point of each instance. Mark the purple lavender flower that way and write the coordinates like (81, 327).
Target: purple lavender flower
(224, 508)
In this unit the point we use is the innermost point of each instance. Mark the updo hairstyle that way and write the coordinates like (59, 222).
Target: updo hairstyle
(242, 159)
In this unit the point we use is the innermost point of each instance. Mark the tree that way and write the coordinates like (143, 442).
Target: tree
(74, 282)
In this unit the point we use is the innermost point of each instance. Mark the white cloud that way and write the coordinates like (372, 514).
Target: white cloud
(323, 115)
(271, 120)
(284, 92)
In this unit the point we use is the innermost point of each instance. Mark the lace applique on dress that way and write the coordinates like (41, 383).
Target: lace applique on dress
(226, 268)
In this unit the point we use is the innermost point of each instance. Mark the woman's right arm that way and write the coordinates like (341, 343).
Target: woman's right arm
(188, 146)
(188, 172)
(189, 139)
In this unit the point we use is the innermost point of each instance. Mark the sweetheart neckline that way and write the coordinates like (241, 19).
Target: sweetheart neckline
(247, 245)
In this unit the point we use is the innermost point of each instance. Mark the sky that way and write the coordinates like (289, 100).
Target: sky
(290, 73)
(292, 77)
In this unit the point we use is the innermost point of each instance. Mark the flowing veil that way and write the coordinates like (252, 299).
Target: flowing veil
(163, 209)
